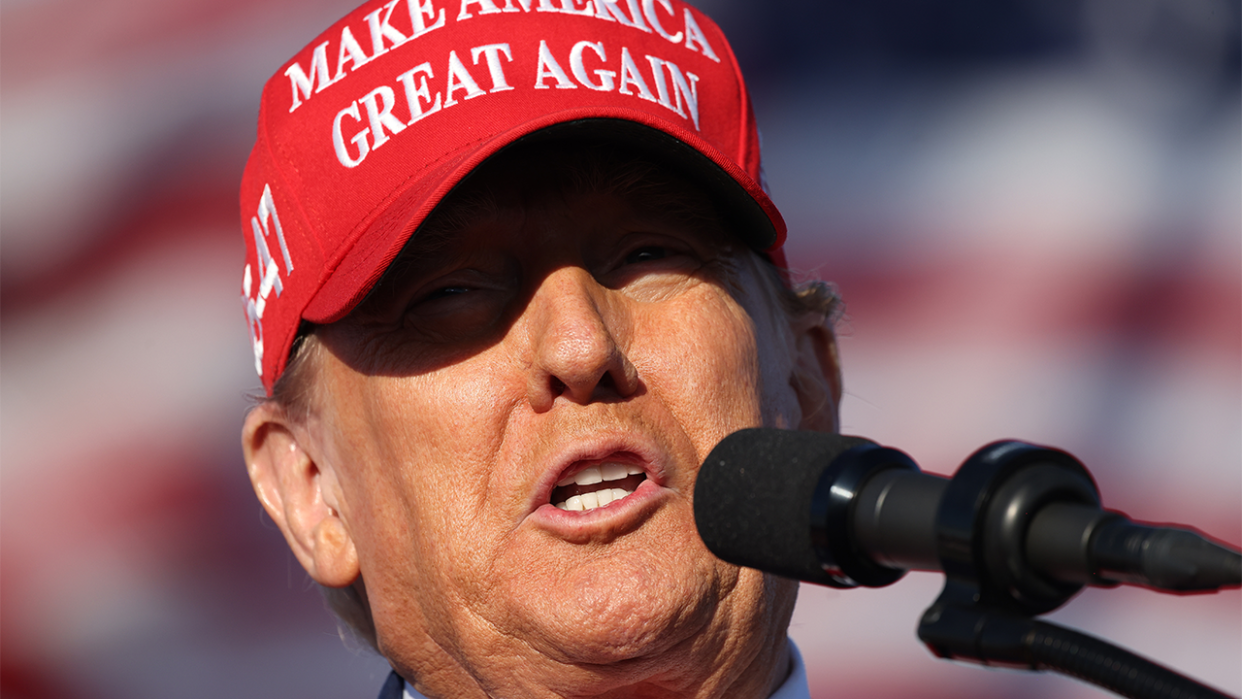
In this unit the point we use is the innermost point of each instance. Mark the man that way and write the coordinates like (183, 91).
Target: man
(510, 276)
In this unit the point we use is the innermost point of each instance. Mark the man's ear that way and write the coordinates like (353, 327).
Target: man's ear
(299, 495)
(816, 375)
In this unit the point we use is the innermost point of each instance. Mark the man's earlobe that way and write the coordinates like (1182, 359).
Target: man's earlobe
(299, 495)
(816, 375)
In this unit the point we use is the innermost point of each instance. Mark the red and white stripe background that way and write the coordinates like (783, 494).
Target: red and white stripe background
(1047, 250)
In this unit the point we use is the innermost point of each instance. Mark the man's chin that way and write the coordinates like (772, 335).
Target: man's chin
(626, 629)
(618, 610)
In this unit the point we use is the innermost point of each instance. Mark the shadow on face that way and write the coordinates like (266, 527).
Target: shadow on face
(474, 266)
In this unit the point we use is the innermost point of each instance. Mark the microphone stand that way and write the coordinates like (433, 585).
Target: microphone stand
(985, 612)
(992, 637)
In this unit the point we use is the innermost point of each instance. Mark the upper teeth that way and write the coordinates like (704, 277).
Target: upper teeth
(592, 475)
(598, 474)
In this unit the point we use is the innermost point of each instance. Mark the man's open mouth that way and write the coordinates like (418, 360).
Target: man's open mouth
(597, 486)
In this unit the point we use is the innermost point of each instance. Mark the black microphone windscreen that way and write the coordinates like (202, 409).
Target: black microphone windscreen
(752, 500)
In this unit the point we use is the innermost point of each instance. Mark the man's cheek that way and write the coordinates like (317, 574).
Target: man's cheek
(710, 383)
(444, 421)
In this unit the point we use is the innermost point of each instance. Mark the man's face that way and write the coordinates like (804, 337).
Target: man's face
(541, 336)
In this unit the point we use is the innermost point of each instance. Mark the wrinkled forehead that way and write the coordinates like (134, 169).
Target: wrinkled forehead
(541, 174)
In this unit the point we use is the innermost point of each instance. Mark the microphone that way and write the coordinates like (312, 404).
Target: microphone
(844, 511)
(1017, 531)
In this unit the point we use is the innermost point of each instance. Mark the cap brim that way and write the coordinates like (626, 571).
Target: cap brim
(381, 238)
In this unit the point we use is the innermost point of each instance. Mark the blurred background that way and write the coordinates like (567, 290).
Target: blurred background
(1031, 207)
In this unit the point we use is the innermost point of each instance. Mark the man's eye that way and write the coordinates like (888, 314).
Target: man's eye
(456, 312)
(446, 292)
(646, 254)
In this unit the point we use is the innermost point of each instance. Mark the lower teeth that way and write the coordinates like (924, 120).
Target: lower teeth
(591, 501)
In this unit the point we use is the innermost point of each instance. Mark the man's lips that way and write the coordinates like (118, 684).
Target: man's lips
(617, 471)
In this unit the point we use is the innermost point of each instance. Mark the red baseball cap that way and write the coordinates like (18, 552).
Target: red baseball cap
(371, 125)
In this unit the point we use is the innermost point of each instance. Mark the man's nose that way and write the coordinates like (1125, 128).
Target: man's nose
(574, 328)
